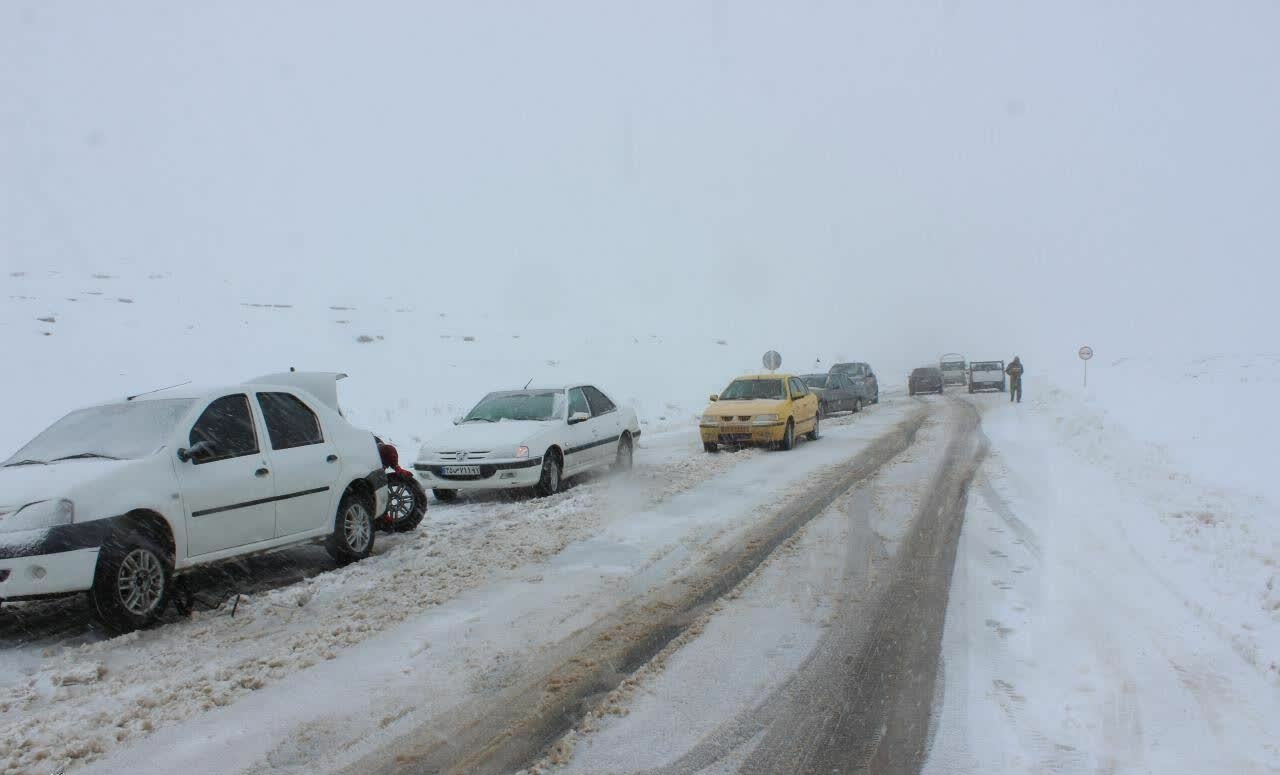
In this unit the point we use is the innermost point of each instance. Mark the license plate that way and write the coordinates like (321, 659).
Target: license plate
(735, 429)
(461, 470)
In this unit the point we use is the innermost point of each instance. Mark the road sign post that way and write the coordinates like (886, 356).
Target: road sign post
(1085, 354)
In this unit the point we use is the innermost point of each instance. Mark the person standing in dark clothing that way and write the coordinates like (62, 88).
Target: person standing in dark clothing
(1014, 370)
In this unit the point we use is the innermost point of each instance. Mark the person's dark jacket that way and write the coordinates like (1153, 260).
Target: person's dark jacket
(1014, 369)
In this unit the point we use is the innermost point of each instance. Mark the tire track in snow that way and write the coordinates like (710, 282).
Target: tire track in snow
(501, 740)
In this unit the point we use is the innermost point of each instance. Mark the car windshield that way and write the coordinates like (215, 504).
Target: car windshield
(986, 366)
(925, 373)
(747, 389)
(518, 405)
(123, 431)
(815, 380)
(952, 365)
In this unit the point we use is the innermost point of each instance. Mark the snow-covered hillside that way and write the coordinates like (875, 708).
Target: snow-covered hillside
(417, 358)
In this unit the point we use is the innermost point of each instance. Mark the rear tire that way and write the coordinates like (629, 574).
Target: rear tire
(549, 483)
(353, 529)
(625, 457)
(406, 502)
(710, 446)
(815, 434)
(132, 583)
(857, 405)
(788, 442)
(876, 398)
(445, 496)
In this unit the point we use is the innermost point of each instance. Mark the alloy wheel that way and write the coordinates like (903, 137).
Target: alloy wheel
(399, 502)
(355, 527)
(140, 582)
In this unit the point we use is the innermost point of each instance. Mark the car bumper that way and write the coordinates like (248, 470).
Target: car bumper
(743, 434)
(494, 475)
(40, 575)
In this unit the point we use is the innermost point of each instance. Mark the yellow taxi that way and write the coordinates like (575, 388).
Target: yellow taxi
(766, 409)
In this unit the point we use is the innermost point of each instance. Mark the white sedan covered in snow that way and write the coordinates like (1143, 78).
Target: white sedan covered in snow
(116, 498)
(529, 438)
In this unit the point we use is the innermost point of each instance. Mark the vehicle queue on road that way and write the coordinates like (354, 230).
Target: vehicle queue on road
(119, 499)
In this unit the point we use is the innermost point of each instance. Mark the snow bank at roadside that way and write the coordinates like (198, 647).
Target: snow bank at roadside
(1113, 603)
(1196, 440)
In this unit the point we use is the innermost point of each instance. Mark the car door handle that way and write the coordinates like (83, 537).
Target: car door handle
(261, 472)
(331, 459)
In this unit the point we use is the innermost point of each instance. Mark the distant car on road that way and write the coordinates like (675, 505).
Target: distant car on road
(836, 392)
(760, 409)
(925, 379)
(115, 499)
(986, 375)
(863, 378)
(529, 438)
(954, 370)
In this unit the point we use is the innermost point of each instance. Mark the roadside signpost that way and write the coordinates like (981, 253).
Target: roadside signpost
(1085, 354)
(772, 360)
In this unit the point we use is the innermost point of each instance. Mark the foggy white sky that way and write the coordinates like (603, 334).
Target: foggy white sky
(989, 177)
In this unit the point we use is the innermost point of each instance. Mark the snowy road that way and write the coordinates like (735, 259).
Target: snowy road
(940, 584)
(824, 660)
(351, 663)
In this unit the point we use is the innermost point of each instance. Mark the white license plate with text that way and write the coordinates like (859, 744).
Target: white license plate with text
(461, 470)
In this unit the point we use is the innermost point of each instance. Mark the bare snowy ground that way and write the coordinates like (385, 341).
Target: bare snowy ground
(1113, 609)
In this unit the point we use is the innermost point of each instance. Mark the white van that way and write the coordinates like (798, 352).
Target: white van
(954, 370)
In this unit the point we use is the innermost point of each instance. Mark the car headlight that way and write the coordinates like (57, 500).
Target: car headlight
(40, 514)
(710, 419)
(522, 451)
(765, 419)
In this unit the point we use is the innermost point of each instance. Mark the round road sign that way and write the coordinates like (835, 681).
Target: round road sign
(772, 360)
(1086, 353)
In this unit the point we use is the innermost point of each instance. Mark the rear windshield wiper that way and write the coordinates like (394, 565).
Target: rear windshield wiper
(83, 455)
(27, 463)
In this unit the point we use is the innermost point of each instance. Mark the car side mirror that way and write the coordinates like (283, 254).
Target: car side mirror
(457, 420)
(715, 396)
(578, 417)
(198, 450)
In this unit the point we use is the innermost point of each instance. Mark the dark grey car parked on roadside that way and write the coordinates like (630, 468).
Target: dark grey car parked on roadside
(836, 392)
(863, 379)
(927, 379)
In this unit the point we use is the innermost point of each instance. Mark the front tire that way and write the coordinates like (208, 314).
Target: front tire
(132, 583)
(710, 446)
(549, 483)
(406, 502)
(857, 405)
(445, 496)
(815, 434)
(876, 398)
(788, 442)
(353, 529)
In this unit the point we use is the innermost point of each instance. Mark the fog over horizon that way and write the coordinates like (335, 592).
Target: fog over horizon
(900, 178)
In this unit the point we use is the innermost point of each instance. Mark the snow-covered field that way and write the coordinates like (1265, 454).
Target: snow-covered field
(1115, 604)
(417, 357)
